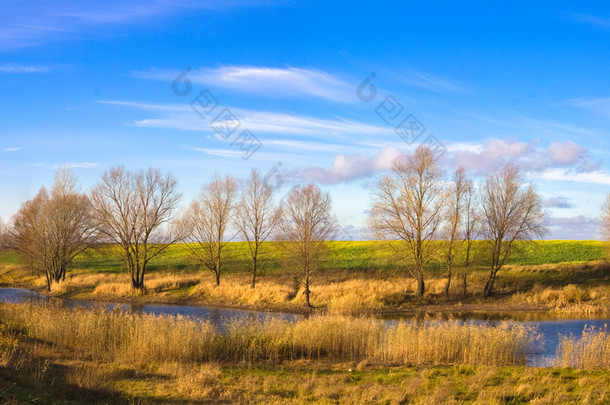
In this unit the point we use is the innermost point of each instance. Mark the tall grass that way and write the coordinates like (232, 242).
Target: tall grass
(139, 338)
(591, 351)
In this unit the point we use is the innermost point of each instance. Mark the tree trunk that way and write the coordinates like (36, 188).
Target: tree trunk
(254, 273)
(307, 292)
(448, 284)
(464, 284)
(420, 286)
(217, 274)
(490, 284)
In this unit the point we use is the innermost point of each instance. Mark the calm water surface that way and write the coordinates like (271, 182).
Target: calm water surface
(551, 329)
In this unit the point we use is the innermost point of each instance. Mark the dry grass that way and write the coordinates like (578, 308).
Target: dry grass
(142, 339)
(591, 351)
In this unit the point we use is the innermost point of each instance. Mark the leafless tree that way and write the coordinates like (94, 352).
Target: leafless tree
(454, 219)
(408, 210)
(472, 229)
(256, 216)
(52, 228)
(207, 222)
(512, 211)
(605, 231)
(135, 210)
(3, 231)
(305, 225)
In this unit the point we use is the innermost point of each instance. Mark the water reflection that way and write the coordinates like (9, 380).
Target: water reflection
(550, 328)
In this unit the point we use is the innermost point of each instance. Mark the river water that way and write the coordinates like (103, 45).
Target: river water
(551, 329)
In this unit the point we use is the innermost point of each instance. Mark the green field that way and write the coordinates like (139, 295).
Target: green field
(355, 277)
(348, 255)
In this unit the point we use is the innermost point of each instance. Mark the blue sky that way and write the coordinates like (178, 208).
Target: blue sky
(89, 85)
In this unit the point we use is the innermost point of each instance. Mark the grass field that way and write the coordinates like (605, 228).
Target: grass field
(567, 277)
(51, 354)
(360, 255)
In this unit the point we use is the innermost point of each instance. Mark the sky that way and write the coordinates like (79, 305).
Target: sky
(309, 91)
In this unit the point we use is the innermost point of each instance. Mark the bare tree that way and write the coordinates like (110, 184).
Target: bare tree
(207, 221)
(512, 211)
(408, 210)
(52, 228)
(605, 225)
(472, 229)
(135, 210)
(455, 213)
(3, 236)
(305, 225)
(256, 216)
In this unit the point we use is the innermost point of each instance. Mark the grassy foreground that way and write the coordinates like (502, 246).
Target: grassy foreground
(565, 277)
(50, 354)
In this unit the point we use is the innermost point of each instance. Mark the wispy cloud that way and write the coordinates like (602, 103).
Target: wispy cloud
(38, 22)
(14, 149)
(594, 177)
(184, 118)
(417, 78)
(265, 81)
(599, 105)
(18, 68)
(76, 165)
(597, 21)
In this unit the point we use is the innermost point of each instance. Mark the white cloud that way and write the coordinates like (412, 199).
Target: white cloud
(17, 68)
(599, 105)
(265, 81)
(185, 118)
(35, 22)
(350, 167)
(417, 78)
(76, 165)
(591, 20)
(573, 228)
(10, 149)
(558, 202)
(495, 153)
(560, 161)
(595, 177)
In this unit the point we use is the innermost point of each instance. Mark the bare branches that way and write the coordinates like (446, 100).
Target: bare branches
(606, 219)
(256, 216)
(52, 228)
(454, 217)
(306, 223)
(135, 210)
(512, 211)
(408, 207)
(207, 221)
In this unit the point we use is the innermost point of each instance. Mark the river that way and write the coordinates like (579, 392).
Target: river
(551, 329)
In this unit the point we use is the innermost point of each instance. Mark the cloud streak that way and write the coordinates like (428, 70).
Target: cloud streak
(17, 68)
(37, 22)
(183, 117)
(265, 81)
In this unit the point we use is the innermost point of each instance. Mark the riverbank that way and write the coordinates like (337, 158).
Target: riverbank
(562, 290)
(51, 354)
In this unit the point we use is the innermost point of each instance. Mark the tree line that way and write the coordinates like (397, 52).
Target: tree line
(417, 211)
